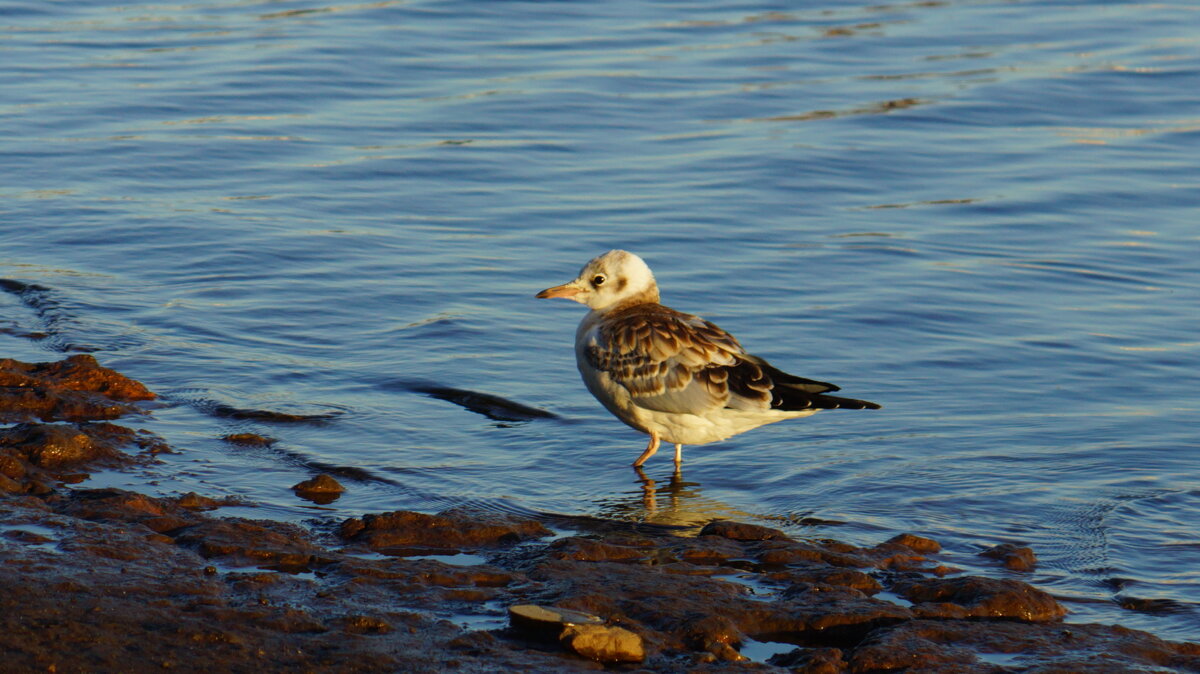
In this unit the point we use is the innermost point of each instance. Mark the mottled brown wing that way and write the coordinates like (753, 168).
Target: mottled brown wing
(675, 362)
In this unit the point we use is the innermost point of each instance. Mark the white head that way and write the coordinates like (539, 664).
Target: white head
(614, 278)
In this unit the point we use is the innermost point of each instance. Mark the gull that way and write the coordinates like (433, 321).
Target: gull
(671, 375)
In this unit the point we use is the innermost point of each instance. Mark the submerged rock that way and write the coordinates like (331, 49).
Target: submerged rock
(321, 489)
(451, 529)
(1013, 556)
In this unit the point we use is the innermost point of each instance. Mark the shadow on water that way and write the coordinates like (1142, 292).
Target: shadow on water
(49, 312)
(491, 406)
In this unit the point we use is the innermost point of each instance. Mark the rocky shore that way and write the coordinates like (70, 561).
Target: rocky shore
(99, 580)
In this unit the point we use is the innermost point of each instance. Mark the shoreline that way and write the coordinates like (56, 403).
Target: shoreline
(113, 580)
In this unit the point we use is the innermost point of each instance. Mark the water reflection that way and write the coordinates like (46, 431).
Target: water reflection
(669, 500)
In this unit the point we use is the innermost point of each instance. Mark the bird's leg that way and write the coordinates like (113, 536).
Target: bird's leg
(650, 450)
(678, 456)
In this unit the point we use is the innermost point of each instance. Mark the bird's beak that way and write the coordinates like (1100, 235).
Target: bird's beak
(564, 290)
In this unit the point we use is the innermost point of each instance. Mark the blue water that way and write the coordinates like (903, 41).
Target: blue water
(982, 215)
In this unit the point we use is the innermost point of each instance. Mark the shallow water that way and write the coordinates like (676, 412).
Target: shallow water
(980, 214)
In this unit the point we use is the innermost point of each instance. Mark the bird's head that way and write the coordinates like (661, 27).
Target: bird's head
(614, 278)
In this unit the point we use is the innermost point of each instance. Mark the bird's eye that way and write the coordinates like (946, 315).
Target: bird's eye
(598, 280)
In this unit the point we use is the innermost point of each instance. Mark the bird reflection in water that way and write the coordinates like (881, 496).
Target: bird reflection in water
(673, 502)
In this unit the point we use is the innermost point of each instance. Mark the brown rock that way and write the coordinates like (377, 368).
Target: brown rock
(604, 643)
(320, 483)
(964, 645)
(55, 446)
(741, 531)
(1013, 556)
(707, 549)
(450, 529)
(9, 485)
(915, 543)
(586, 549)
(362, 624)
(782, 553)
(812, 660)
(824, 615)
(113, 505)
(825, 575)
(977, 597)
(249, 439)
(702, 633)
(74, 389)
(284, 545)
(11, 467)
(321, 489)
(194, 501)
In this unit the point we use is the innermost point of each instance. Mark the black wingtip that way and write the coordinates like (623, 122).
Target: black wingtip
(852, 403)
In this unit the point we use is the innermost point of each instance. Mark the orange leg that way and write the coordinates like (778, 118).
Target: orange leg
(650, 450)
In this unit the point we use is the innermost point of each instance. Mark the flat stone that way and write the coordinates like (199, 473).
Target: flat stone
(547, 622)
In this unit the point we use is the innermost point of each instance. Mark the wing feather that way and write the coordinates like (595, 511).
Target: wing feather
(674, 362)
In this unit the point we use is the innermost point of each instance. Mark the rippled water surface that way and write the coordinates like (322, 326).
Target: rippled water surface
(982, 215)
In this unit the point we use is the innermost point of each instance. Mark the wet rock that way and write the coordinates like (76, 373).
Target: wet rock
(77, 388)
(321, 489)
(194, 501)
(57, 446)
(9, 485)
(11, 467)
(604, 643)
(914, 542)
(812, 660)
(977, 597)
(783, 553)
(705, 633)
(251, 542)
(1013, 556)
(363, 624)
(452, 529)
(706, 550)
(966, 646)
(475, 643)
(589, 550)
(824, 615)
(799, 578)
(116, 505)
(741, 531)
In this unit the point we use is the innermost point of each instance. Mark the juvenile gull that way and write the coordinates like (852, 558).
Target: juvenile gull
(671, 375)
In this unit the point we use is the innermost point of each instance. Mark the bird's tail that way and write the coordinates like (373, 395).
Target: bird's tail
(792, 399)
(825, 402)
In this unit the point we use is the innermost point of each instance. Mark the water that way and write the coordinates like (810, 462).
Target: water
(980, 214)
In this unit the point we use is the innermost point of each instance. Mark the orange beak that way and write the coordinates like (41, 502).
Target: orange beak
(564, 290)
